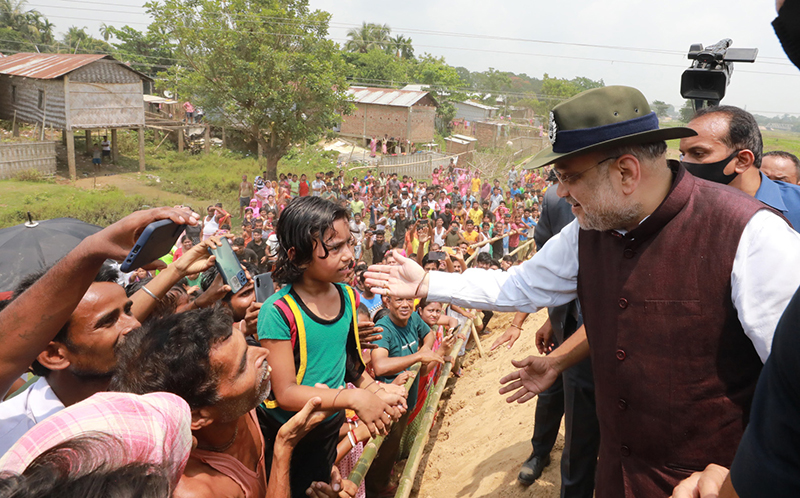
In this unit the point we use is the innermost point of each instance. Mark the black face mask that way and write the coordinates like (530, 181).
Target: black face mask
(712, 172)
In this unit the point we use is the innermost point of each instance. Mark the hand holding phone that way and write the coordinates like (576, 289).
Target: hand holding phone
(155, 241)
(229, 266)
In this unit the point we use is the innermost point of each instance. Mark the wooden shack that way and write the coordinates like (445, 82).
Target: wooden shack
(74, 92)
(399, 114)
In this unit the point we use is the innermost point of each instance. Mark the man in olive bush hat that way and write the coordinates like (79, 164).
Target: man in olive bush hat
(681, 282)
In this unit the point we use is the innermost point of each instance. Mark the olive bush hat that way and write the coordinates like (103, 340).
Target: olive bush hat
(601, 118)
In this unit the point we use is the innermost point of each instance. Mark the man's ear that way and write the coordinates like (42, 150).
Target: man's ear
(54, 356)
(744, 159)
(630, 173)
(202, 417)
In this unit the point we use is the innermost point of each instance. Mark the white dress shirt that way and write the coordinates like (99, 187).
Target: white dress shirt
(25, 410)
(765, 276)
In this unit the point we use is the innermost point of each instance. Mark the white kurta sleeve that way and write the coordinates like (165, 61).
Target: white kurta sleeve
(549, 278)
(765, 276)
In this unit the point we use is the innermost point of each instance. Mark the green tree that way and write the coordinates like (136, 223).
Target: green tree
(369, 36)
(400, 46)
(660, 107)
(22, 29)
(466, 76)
(265, 67)
(443, 82)
(147, 50)
(687, 111)
(556, 90)
(376, 68)
(77, 40)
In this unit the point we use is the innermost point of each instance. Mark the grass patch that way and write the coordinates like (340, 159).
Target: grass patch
(45, 200)
(217, 175)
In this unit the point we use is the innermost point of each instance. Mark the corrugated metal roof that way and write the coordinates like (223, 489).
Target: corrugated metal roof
(479, 105)
(51, 66)
(385, 96)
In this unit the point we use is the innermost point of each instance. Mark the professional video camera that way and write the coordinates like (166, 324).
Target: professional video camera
(704, 83)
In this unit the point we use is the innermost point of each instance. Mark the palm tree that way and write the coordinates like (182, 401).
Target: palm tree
(105, 32)
(13, 14)
(74, 36)
(400, 46)
(367, 37)
(46, 32)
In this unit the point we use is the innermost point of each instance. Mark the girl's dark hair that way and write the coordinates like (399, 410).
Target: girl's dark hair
(302, 226)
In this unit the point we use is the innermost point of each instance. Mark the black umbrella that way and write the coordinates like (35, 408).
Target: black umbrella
(32, 246)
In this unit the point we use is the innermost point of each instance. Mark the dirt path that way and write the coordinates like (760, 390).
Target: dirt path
(480, 441)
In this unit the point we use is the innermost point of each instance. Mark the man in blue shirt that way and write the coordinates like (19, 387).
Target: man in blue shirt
(728, 149)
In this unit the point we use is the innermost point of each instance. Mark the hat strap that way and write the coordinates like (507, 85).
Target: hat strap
(572, 140)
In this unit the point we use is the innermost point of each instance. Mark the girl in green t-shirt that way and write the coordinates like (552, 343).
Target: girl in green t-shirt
(311, 330)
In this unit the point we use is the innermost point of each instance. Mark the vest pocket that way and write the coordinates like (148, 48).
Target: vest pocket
(690, 307)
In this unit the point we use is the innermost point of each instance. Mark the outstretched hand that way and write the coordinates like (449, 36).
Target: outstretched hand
(302, 422)
(535, 374)
(114, 241)
(405, 279)
(509, 337)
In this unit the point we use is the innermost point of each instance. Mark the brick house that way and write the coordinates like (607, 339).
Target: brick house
(399, 114)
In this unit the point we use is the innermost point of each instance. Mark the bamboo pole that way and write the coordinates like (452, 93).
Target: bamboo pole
(371, 448)
(477, 338)
(406, 482)
(162, 140)
(527, 243)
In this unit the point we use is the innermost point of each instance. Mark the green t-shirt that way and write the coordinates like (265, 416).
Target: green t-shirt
(403, 341)
(294, 188)
(326, 340)
(357, 207)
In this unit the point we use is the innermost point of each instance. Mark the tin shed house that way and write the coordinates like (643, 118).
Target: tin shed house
(88, 92)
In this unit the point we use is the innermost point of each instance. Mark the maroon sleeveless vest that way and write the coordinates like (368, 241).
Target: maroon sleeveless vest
(674, 371)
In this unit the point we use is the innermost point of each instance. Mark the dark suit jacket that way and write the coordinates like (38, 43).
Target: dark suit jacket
(555, 214)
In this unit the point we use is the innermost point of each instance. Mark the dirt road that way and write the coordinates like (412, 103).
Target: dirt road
(480, 441)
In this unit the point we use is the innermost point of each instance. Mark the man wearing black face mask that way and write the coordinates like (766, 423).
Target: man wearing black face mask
(727, 149)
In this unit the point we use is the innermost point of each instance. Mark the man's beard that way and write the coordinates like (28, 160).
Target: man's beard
(607, 213)
(232, 410)
(90, 375)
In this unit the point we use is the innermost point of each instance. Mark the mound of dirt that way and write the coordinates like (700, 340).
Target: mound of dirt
(479, 441)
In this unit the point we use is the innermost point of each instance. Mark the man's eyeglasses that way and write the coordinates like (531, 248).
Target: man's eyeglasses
(569, 179)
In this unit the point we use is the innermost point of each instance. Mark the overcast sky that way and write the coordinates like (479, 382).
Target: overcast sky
(470, 33)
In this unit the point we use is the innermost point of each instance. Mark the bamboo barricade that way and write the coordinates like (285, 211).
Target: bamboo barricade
(522, 246)
(374, 444)
(406, 482)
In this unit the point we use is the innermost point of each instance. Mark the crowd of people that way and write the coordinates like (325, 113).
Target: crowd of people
(671, 343)
(166, 376)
